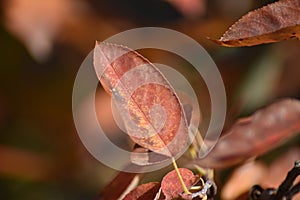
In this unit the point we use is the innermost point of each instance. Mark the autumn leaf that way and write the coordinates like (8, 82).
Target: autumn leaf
(144, 192)
(119, 186)
(171, 186)
(272, 23)
(142, 156)
(255, 135)
(149, 107)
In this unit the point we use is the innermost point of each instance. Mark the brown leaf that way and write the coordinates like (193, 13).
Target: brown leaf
(151, 111)
(272, 23)
(143, 156)
(171, 186)
(255, 135)
(144, 192)
(119, 185)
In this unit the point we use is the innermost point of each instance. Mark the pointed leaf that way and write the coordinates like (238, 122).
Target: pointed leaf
(142, 156)
(272, 23)
(255, 135)
(151, 111)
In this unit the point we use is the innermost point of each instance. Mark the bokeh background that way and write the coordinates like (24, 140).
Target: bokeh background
(43, 44)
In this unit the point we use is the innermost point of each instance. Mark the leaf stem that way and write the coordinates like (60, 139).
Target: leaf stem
(180, 177)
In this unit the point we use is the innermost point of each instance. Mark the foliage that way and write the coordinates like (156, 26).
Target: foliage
(44, 43)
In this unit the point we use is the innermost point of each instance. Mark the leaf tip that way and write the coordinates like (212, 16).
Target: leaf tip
(219, 42)
(97, 43)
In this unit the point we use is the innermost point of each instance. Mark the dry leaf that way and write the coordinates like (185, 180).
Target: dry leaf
(255, 135)
(119, 186)
(144, 192)
(151, 111)
(142, 156)
(272, 23)
(171, 186)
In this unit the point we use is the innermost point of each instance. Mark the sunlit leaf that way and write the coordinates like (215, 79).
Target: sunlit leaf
(143, 156)
(171, 186)
(151, 111)
(272, 23)
(255, 135)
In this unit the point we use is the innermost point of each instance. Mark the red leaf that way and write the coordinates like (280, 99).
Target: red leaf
(144, 192)
(171, 186)
(140, 92)
(116, 188)
(142, 156)
(255, 135)
(272, 23)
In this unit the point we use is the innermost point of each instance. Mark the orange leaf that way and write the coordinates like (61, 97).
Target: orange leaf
(272, 23)
(144, 192)
(171, 185)
(255, 135)
(151, 111)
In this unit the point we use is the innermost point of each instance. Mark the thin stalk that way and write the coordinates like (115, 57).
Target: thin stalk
(180, 177)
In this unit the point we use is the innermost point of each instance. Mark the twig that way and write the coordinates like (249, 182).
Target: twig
(288, 182)
(293, 191)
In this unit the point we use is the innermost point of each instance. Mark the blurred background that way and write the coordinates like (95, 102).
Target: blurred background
(43, 44)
